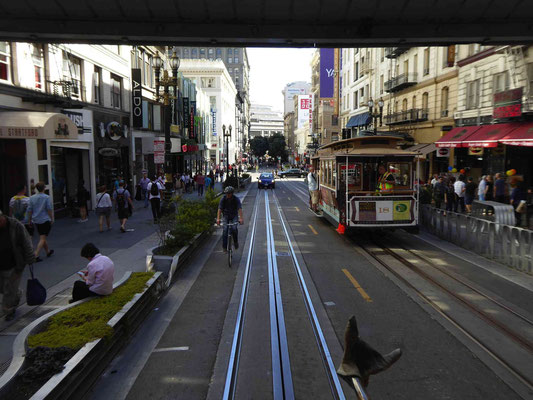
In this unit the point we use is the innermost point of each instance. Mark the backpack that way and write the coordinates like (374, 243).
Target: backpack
(121, 199)
(154, 189)
(19, 209)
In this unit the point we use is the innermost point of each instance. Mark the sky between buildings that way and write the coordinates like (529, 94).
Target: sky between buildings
(272, 69)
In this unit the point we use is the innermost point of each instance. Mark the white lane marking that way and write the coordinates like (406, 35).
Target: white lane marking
(329, 303)
(163, 349)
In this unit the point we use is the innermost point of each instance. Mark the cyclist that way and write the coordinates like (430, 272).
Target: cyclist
(231, 209)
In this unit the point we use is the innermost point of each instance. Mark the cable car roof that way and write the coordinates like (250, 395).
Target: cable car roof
(365, 146)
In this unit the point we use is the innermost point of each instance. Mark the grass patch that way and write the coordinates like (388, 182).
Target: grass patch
(75, 327)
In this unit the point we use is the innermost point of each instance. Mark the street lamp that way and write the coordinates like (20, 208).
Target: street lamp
(375, 114)
(166, 82)
(227, 137)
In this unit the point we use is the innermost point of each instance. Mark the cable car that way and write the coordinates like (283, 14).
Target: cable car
(368, 182)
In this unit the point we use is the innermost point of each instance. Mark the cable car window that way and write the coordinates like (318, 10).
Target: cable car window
(354, 176)
(334, 174)
(402, 175)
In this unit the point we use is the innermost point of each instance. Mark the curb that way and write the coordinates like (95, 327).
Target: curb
(85, 366)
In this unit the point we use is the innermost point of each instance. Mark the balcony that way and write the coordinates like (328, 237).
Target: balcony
(393, 52)
(366, 67)
(408, 116)
(401, 82)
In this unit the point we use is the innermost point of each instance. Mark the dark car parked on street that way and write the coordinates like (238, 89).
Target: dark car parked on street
(292, 172)
(266, 180)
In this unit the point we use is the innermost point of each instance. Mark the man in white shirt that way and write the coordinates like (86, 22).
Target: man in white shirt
(459, 187)
(312, 185)
(155, 198)
(98, 279)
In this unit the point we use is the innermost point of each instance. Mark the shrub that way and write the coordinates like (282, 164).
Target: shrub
(75, 327)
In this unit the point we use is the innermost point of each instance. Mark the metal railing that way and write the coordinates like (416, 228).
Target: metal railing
(401, 81)
(393, 52)
(412, 115)
(506, 244)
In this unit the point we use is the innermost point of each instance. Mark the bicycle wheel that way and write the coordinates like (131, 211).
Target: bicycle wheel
(230, 249)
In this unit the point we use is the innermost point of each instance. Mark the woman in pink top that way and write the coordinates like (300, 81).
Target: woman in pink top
(98, 279)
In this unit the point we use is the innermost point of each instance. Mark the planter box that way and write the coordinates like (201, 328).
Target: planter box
(84, 368)
(169, 265)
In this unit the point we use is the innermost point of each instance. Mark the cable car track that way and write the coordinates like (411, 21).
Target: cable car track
(281, 364)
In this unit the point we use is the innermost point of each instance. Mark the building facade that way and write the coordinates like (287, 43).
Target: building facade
(265, 121)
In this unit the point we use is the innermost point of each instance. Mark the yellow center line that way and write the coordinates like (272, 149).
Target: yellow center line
(361, 291)
(297, 209)
(313, 229)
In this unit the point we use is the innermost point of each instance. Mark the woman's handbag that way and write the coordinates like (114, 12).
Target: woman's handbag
(35, 291)
(522, 207)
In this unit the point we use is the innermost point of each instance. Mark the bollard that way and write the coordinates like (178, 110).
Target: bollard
(360, 360)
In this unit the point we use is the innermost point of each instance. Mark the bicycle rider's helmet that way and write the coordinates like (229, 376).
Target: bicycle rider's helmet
(229, 189)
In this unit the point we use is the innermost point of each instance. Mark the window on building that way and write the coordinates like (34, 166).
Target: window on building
(426, 61)
(97, 85)
(356, 72)
(210, 53)
(37, 59)
(355, 101)
(501, 82)
(202, 53)
(444, 96)
(382, 54)
(147, 69)
(116, 91)
(186, 53)
(425, 100)
(208, 82)
(362, 98)
(236, 56)
(406, 66)
(415, 64)
(72, 86)
(381, 84)
(473, 48)
(5, 61)
(413, 102)
(404, 105)
(194, 53)
(472, 94)
(219, 54)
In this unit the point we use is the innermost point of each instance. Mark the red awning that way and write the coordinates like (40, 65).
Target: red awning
(456, 136)
(522, 135)
(488, 135)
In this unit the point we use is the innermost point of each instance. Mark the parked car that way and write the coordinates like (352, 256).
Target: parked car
(266, 180)
(292, 172)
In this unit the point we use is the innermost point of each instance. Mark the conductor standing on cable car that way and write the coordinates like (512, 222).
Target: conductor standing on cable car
(385, 180)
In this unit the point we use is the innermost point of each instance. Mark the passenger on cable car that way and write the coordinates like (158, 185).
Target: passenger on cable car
(385, 180)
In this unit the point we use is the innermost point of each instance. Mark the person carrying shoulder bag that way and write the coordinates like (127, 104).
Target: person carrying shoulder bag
(104, 205)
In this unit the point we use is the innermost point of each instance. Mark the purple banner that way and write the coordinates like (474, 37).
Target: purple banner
(327, 69)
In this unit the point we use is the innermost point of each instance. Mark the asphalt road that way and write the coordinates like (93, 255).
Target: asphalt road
(181, 351)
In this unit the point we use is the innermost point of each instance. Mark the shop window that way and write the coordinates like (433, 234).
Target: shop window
(5, 61)
(42, 154)
(116, 91)
(43, 174)
(402, 175)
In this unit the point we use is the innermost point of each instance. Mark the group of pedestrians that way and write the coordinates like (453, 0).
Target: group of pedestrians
(458, 194)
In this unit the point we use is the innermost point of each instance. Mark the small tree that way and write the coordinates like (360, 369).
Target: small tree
(277, 146)
(259, 146)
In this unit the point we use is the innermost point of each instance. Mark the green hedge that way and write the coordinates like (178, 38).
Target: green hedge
(75, 327)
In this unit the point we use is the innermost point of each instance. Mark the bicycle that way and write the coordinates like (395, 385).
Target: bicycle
(230, 242)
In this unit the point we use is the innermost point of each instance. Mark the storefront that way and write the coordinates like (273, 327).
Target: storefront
(112, 144)
(27, 142)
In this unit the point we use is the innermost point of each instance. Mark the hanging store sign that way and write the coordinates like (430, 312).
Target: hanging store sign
(214, 121)
(186, 117)
(304, 107)
(108, 152)
(443, 152)
(475, 151)
(136, 98)
(508, 104)
(327, 72)
(192, 114)
(114, 130)
(159, 151)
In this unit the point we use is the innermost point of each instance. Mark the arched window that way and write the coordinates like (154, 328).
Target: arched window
(404, 105)
(444, 101)
(413, 104)
(425, 100)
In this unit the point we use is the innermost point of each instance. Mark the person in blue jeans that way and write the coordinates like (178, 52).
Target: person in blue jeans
(230, 208)
(144, 188)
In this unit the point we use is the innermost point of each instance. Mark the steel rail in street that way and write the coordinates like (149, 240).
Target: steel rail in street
(281, 365)
(472, 336)
(331, 372)
(233, 364)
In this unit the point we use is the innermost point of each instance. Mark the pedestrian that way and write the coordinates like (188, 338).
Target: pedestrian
(97, 280)
(481, 188)
(178, 184)
(104, 206)
(439, 192)
(18, 208)
(460, 187)
(155, 189)
(41, 213)
(499, 188)
(83, 196)
(200, 182)
(212, 176)
(470, 194)
(123, 203)
(312, 185)
(434, 180)
(518, 194)
(17, 252)
(207, 183)
(144, 187)
(450, 197)
(489, 191)
(117, 182)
